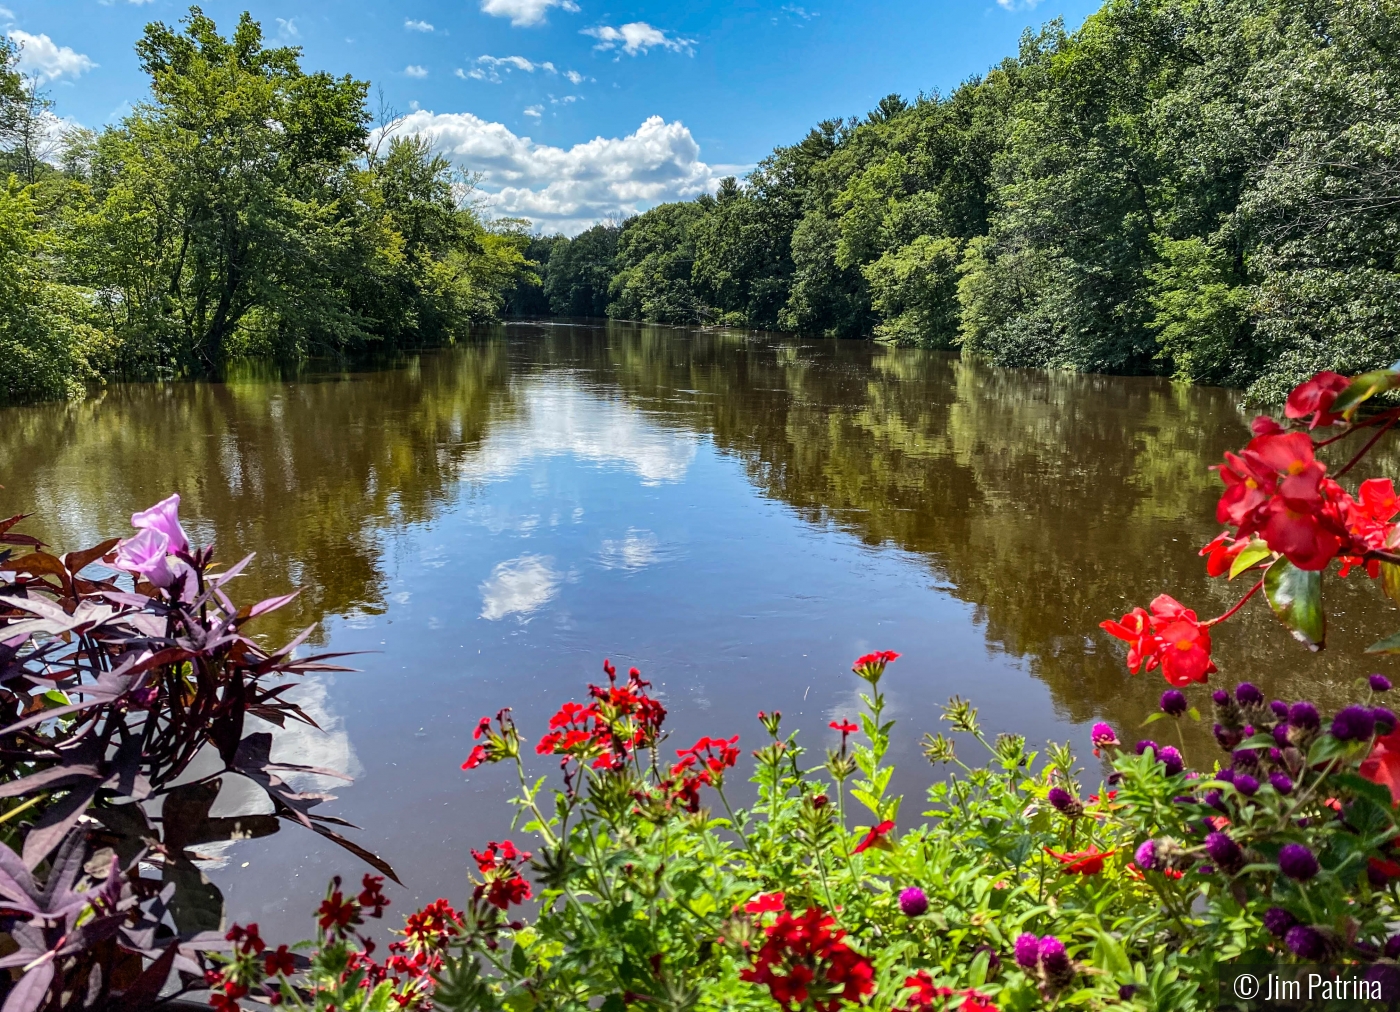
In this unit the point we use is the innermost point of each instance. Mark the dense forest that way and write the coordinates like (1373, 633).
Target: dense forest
(1208, 189)
(248, 208)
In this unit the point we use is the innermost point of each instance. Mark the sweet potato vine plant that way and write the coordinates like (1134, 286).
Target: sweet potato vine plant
(634, 880)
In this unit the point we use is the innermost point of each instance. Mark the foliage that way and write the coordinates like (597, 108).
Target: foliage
(117, 702)
(1203, 190)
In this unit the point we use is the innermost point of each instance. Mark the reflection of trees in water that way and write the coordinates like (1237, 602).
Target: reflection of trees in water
(1048, 500)
(306, 473)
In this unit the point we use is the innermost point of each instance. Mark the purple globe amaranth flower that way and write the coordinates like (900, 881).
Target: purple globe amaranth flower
(1171, 759)
(164, 517)
(1305, 942)
(1248, 694)
(1027, 951)
(993, 958)
(145, 554)
(1145, 744)
(913, 902)
(1227, 737)
(1384, 718)
(1353, 723)
(1392, 947)
(1297, 862)
(1304, 715)
(1221, 697)
(1281, 735)
(1246, 784)
(1053, 956)
(1275, 755)
(1277, 921)
(1225, 852)
(1245, 758)
(1102, 736)
(1226, 776)
(1281, 782)
(1379, 683)
(1280, 709)
(1062, 799)
(1145, 857)
(1172, 703)
(1215, 800)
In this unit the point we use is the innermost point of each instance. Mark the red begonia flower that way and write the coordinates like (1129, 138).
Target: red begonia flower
(1315, 396)
(875, 838)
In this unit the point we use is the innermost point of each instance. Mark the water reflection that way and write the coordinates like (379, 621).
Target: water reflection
(737, 515)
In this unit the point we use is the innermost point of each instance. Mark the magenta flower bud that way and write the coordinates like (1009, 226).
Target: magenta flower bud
(1146, 744)
(1384, 718)
(1053, 956)
(1171, 759)
(1246, 784)
(1297, 862)
(1225, 852)
(1226, 776)
(1281, 782)
(1353, 723)
(1221, 697)
(1304, 715)
(1280, 709)
(1277, 921)
(1146, 855)
(1281, 735)
(1379, 683)
(1172, 703)
(1027, 951)
(1305, 943)
(1226, 737)
(1126, 992)
(1062, 799)
(1245, 758)
(1216, 801)
(1102, 735)
(1247, 694)
(913, 902)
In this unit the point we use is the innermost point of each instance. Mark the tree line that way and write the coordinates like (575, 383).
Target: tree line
(247, 208)
(1208, 189)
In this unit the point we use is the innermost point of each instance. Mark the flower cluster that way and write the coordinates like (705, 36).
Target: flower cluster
(502, 741)
(1047, 960)
(926, 997)
(1168, 636)
(606, 732)
(805, 964)
(701, 765)
(502, 884)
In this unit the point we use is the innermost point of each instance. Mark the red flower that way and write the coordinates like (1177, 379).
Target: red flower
(876, 660)
(1221, 552)
(805, 960)
(372, 895)
(926, 996)
(1169, 637)
(279, 962)
(1264, 425)
(765, 903)
(844, 726)
(1382, 766)
(1082, 862)
(246, 940)
(482, 726)
(503, 884)
(336, 913)
(717, 754)
(1314, 398)
(477, 757)
(501, 744)
(875, 838)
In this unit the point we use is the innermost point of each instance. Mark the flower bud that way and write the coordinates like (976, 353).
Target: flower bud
(1281, 782)
(1305, 943)
(1027, 951)
(1172, 703)
(1225, 852)
(1379, 683)
(1353, 723)
(1297, 862)
(913, 902)
(1277, 921)
(1384, 718)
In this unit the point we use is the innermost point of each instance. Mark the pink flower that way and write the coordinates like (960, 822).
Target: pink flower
(164, 518)
(145, 554)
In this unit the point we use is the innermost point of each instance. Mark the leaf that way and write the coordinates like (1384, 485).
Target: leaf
(1358, 784)
(1390, 581)
(78, 561)
(143, 991)
(1389, 645)
(29, 993)
(1363, 388)
(1109, 955)
(1257, 552)
(1296, 597)
(56, 822)
(1153, 718)
(373, 860)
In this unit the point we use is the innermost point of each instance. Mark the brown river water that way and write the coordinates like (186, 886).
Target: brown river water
(738, 515)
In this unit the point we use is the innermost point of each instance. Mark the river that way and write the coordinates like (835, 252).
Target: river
(738, 515)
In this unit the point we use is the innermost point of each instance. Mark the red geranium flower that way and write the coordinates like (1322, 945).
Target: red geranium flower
(1315, 396)
(805, 960)
(878, 659)
(875, 838)
(926, 996)
(280, 961)
(1082, 862)
(765, 903)
(502, 883)
(844, 726)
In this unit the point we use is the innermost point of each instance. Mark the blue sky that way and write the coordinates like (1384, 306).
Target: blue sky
(572, 110)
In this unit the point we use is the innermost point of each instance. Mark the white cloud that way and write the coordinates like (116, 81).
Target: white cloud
(534, 111)
(518, 587)
(574, 77)
(287, 27)
(413, 70)
(489, 68)
(799, 12)
(637, 37)
(525, 12)
(1018, 5)
(638, 550)
(44, 59)
(417, 26)
(7, 14)
(53, 132)
(571, 189)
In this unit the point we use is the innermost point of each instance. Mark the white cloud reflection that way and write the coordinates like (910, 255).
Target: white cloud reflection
(519, 586)
(559, 418)
(637, 550)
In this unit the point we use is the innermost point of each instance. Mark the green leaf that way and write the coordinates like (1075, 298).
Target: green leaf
(1357, 784)
(1296, 597)
(1109, 955)
(1151, 719)
(1194, 714)
(1390, 581)
(1257, 552)
(1389, 645)
(1363, 388)
(868, 800)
